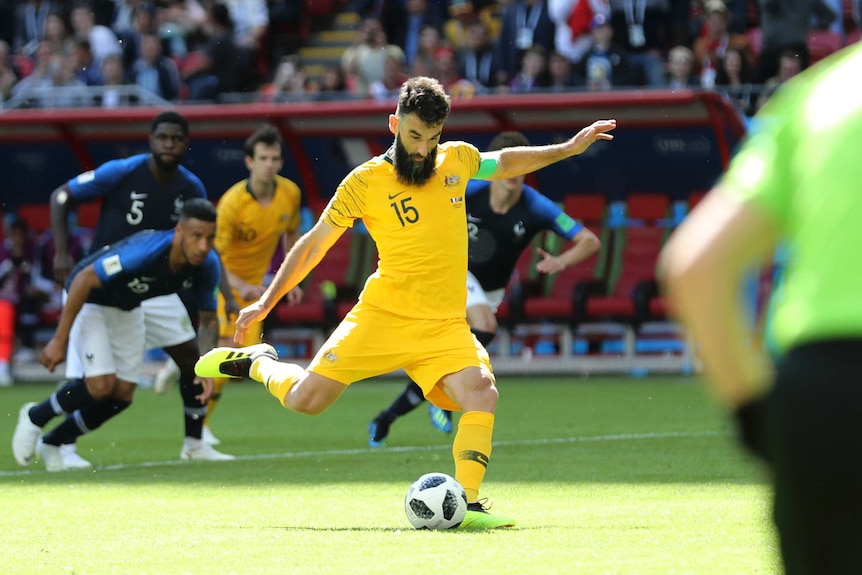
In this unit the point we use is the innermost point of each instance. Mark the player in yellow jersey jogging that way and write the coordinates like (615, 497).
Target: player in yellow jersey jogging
(410, 314)
(254, 215)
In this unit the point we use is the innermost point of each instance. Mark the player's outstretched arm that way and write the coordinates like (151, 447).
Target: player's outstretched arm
(521, 160)
(299, 261)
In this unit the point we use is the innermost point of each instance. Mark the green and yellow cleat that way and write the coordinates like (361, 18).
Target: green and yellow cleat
(232, 361)
(477, 518)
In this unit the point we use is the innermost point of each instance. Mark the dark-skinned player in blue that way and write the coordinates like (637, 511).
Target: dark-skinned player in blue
(143, 191)
(103, 325)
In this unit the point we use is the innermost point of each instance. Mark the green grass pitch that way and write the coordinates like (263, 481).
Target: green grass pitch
(604, 476)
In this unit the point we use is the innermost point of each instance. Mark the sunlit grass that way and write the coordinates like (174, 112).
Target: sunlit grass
(603, 476)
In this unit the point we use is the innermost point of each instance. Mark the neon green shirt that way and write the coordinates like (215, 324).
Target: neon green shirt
(804, 168)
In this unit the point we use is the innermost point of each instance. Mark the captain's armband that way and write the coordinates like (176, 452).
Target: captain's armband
(487, 167)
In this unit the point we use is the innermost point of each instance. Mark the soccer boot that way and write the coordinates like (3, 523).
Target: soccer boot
(208, 437)
(61, 458)
(71, 459)
(196, 449)
(477, 517)
(378, 429)
(440, 418)
(26, 436)
(232, 361)
(166, 377)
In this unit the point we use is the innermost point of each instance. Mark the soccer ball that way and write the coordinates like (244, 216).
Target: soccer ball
(435, 501)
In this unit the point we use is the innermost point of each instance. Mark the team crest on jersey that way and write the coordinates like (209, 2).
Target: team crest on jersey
(285, 218)
(519, 230)
(330, 357)
(457, 201)
(451, 181)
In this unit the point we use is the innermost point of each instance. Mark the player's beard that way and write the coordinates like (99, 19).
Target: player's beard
(410, 172)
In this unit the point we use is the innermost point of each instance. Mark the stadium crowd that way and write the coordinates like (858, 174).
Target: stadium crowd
(207, 50)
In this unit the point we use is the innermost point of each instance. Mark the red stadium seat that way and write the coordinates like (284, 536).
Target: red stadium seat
(37, 216)
(822, 43)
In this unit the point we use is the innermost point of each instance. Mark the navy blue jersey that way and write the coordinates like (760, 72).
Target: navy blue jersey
(132, 199)
(136, 268)
(497, 240)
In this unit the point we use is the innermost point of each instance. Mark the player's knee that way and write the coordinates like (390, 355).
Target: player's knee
(305, 404)
(101, 387)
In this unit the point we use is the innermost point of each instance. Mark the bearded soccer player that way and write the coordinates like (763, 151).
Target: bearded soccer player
(410, 314)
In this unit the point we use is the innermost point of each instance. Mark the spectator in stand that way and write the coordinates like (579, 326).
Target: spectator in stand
(734, 80)
(103, 41)
(154, 72)
(143, 21)
(20, 297)
(572, 19)
(332, 84)
(8, 75)
(124, 16)
(643, 28)
(418, 16)
(445, 71)
(606, 64)
(785, 26)
(47, 61)
(477, 62)
(526, 23)
(181, 26)
(394, 75)
(789, 65)
(213, 70)
(532, 75)
(114, 77)
(429, 42)
(86, 68)
(250, 24)
(290, 81)
(680, 67)
(30, 18)
(561, 78)
(57, 31)
(363, 62)
(709, 48)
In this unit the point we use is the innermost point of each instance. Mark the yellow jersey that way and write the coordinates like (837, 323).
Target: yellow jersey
(247, 233)
(420, 232)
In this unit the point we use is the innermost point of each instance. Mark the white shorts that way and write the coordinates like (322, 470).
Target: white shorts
(478, 296)
(166, 323)
(106, 340)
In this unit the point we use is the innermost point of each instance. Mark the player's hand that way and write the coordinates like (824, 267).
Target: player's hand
(208, 385)
(63, 264)
(294, 296)
(53, 354)
(247, 316)
(596, 131)
(549, 264)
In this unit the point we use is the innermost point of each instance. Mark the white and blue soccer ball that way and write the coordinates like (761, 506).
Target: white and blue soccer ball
(435, 501)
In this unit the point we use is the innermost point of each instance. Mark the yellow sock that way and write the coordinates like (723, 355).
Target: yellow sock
(472, 450)
(218, 386)
(276, 376)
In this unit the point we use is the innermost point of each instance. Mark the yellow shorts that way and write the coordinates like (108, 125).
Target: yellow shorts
(227, 325)
(371, 341)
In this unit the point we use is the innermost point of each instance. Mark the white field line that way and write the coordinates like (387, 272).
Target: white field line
(402, 449)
